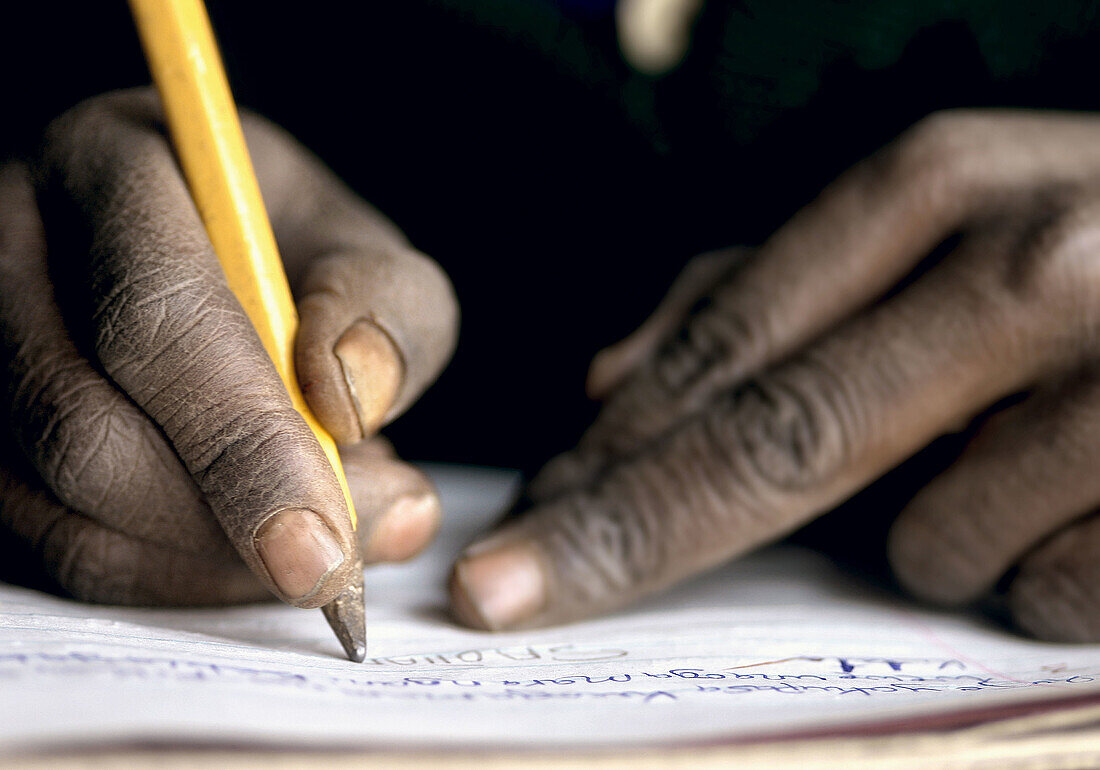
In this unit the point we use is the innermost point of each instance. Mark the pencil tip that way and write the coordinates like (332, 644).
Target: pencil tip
(346, 616)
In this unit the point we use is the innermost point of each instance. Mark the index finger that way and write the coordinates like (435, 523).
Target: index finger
(764, 458)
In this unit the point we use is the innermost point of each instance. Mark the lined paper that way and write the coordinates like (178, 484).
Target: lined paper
(782, 641)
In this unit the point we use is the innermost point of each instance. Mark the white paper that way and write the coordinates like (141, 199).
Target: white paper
(781, 641)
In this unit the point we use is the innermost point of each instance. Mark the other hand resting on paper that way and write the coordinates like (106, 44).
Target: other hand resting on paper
(955, 268)
(149, 439)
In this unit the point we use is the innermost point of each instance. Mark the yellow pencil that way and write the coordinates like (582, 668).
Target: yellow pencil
(206, 132)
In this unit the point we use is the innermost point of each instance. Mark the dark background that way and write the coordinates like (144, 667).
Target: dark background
(559, 189)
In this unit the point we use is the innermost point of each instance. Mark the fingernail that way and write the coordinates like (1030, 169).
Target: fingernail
(404, 529)
(499, 587)
(373, 371)
(299, 551)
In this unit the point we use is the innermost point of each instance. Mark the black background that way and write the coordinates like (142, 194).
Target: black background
(561, 191)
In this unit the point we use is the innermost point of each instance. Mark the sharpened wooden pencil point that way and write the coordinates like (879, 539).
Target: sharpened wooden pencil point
(346, 616)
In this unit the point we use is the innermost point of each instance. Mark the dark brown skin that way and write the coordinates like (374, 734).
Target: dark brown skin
(806, 372)
(153, 456)
(151, 441)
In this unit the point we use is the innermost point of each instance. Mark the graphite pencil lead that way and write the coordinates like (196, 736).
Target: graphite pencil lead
(346, 615)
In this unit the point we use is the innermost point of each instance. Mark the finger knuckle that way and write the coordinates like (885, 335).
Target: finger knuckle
(935, 154)
(789, 430)
(434, 285)
(88, 131)
(260, 132)
(705, 356)
(702, 494)
(79, 443)
(93, 564)
(648, 522)
(107, 161)
(79, 125)
(1056, 257)
(717, 342)
(601, 549)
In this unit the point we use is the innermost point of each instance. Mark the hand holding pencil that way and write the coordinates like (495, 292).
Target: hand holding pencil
(298, 547)
(153, 443)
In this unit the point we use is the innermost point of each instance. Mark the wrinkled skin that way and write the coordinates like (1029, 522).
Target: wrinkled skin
(771, 386)
(151, 445)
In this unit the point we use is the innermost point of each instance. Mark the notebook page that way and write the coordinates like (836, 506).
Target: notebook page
(780, 641)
